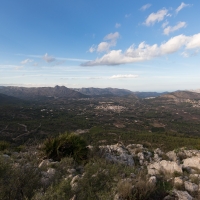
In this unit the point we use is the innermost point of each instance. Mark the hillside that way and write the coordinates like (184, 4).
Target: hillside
(5, 99)
(104, 91)
(149, 94)
(182, 95)
(40, 92)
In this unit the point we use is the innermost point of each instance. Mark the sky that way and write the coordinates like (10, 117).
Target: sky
(130, 44)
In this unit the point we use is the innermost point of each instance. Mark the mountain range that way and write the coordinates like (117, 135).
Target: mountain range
(36, 93)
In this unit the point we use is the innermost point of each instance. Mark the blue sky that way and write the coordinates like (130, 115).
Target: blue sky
(137, 45)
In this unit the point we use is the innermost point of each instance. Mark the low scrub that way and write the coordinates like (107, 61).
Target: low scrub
(65, 145)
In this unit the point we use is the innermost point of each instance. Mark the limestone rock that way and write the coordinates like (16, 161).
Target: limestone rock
(118, 154)
(191, 187)
(172, 156)
(182, 195)
(153, 180)
(192, 162)
(164, 167)
(178, 181)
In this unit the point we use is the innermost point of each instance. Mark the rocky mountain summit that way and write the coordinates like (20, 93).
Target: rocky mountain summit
(177, 170)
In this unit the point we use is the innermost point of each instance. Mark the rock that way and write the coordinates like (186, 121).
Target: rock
(158, 151)
(153, 180)
(73, 198)
(117, 197)
(44, 163)
(192, 153)
(172, 156)
(170, 197)
(182, 195)
(117, 154)
(164, 167)
(6, 156)
(74, 183)
(192, 162)
(141, 157)
(157, 158)
(191, 187)
(71, 171)
(178, 181)
(51, 172)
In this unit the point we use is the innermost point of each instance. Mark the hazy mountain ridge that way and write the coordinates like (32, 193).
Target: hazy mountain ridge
(117, 92)
(103, 91)
(39, 92)
(182, 95)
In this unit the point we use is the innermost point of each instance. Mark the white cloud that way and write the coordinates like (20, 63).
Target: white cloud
(185, 54)
(127, 15)
(117, 25)
(183, 5)
(194, 42)
(48, 58)
(146, 52)
(110, 40)
(92, 48)
(103, 46)
(121, 76)
(26, 61)
(112, 36)
(165, 24)
(146, 6)
(156, 17)
(171, 29)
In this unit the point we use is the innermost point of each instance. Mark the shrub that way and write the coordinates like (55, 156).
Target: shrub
(66, 145)
(4, 145)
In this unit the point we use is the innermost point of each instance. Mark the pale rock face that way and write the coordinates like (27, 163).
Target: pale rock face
(74, 183)
(192, 162)
(182, 195)
(118, 154)
(153, 180)
(191, 187)
(172, 155)
(44, 163)
(156, 158)
(178, 181)
(164, 166)
(158, 151)
(51, 172)
(192, 153)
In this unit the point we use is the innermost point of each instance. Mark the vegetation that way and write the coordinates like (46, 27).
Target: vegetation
(28, 128)
(65, 145)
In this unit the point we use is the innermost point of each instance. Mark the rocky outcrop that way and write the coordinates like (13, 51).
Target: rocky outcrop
(118, 154)
(164, 166)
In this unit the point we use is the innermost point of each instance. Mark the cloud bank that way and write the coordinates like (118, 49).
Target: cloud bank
(145, 52)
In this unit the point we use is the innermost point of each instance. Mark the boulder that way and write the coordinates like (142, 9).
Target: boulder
(178, 181)
(191, 187)
(164, 167)
(182, 195)
(172, 156)
(193, 162)
(118, 154)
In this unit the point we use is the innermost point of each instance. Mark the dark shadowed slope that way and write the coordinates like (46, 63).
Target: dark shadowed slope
(5, 99)
(40, 92)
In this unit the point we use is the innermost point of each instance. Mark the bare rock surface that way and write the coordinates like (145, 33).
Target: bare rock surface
(164, 167)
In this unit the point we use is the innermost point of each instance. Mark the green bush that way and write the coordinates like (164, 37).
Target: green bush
(3, 145)
(66, 145)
